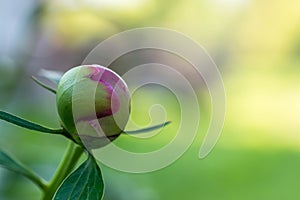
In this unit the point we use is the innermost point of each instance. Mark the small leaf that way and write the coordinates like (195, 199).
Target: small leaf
(11, 164)
(27, 124)
(85, 183)
(43, 85)
(148, 129)
(51, 75)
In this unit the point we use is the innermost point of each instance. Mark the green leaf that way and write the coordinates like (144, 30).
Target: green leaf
(43, 85)
(27, 124)
(148, 129)
(11, 164)
(85, 183)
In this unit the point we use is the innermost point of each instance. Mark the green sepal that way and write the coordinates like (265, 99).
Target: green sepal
(30, 125)
(43, 85)
(148, 129)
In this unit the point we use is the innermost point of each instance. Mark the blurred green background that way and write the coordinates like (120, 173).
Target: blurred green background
(256, 45)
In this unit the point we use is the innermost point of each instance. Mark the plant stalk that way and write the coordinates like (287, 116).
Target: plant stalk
(71, 157)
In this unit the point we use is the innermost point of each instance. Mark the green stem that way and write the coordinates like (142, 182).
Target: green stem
(67, 164)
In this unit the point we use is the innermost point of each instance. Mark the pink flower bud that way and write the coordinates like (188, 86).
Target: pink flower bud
(92, 96)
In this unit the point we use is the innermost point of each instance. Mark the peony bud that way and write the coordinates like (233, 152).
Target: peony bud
(92, 96)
